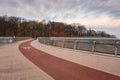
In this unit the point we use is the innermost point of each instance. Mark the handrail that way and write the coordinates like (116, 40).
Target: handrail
(89, 38)
(102, 45)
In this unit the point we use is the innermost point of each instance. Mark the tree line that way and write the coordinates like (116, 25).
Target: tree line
(16, 26)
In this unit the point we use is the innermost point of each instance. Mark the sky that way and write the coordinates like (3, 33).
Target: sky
(94, 14)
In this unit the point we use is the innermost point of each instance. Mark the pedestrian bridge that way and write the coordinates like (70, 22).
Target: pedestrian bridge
(32, 60)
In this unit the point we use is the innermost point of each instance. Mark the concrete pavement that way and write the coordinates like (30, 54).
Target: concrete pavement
(14, 66)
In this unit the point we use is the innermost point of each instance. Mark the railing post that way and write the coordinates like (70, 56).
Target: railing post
(75, 44)
(116, 48)
(44, 41)
(48, 41)
(63, 43)
(54, 42)
(93, 46)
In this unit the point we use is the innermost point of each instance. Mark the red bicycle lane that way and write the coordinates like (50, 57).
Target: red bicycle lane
(61, 69)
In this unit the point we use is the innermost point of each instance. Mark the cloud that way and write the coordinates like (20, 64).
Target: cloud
(97, 14)
(61, 9)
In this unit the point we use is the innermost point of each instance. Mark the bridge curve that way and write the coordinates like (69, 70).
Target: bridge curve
(61, 69)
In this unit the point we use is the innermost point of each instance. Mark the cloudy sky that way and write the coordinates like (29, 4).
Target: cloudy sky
(95, 14)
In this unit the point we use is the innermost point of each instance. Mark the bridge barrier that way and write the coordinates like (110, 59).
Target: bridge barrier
(12, 39)
(102, 45)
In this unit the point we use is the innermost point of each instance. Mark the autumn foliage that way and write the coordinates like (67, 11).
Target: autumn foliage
(16, 26)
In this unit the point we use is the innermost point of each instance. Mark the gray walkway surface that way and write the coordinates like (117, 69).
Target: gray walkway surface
(14, 66)
(104, 63)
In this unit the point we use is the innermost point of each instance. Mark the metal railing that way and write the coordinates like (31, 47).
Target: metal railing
(102, 45)
(12, 39)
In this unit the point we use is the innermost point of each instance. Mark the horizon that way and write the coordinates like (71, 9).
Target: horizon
(97, 15)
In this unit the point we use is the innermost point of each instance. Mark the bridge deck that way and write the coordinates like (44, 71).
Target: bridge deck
(109, 64)
(54, 63)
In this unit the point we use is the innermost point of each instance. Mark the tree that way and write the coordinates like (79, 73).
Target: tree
(16, 26)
